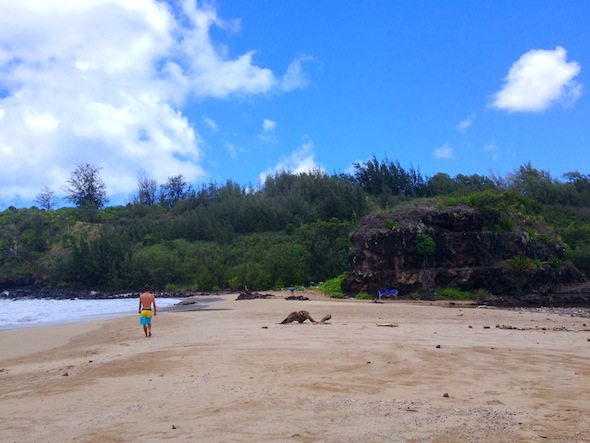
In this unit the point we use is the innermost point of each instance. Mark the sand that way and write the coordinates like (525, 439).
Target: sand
(377, 372)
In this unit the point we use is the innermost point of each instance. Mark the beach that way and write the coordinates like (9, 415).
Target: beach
(375, 372)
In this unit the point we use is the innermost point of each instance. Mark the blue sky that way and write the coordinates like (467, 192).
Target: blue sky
(239, 90)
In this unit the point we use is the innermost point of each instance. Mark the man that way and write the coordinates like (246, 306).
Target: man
(147, 306)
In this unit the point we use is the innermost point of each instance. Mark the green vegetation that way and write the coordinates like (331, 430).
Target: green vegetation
(453, 294)
(293, 229)
(520, 268)
(333, 287)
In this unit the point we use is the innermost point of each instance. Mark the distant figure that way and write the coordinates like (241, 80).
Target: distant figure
(302, 288)
(292, 289)
(147, 306)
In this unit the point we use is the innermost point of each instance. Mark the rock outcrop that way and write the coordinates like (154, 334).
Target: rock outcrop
(470, 253)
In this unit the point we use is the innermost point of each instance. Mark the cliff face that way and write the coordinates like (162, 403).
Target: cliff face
(469, 254)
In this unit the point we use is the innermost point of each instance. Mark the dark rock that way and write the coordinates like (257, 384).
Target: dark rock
(297, 297)
(469, 255)
(247, 295)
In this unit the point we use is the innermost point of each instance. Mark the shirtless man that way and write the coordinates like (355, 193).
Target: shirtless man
(147, 306)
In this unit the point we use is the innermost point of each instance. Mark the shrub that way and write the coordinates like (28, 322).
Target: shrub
(453, 294)
(471, 199)
(483, 294)
(531, 232)
(363, 296)
(333, 287)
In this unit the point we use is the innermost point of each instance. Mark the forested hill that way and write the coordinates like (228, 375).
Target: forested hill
(294, 229)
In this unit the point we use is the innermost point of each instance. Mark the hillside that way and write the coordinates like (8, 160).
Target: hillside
(383, 226)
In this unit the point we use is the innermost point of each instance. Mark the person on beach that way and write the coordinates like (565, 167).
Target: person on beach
(147, 306)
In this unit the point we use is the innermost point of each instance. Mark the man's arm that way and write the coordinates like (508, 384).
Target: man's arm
(139, 306)
(154, 303)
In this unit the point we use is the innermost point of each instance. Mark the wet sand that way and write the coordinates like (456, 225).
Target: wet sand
(376, 372)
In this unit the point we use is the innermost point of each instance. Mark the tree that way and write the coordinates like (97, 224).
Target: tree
(520, 268)
(174, 190)
(425, 246)
(147, 188)
(46, 199)
(85, 188)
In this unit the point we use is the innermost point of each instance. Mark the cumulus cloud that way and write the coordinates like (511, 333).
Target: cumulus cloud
(466, 123)
(105, 82)
(301, 160)
(537, 80)
(444, 152)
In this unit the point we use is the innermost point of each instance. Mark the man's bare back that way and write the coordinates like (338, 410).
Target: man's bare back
(146, 300)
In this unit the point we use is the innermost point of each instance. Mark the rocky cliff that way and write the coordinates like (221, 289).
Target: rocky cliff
(469, 253)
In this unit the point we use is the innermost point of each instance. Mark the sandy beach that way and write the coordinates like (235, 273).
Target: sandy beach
(376, 372)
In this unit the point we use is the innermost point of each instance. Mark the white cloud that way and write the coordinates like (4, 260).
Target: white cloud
(296, 77)
(466, 123)
(537, 80)
(268, 128)
(233, 151)
(299, 161)
(493, 149)
(268, 125)
(211, 124)
(444, 152)
(104, 82)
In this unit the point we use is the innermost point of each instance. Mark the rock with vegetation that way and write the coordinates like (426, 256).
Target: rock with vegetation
(500, 248)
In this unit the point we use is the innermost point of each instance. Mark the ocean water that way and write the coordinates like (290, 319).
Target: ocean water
(40, 312)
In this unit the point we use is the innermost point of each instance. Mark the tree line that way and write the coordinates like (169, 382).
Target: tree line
(293, 229)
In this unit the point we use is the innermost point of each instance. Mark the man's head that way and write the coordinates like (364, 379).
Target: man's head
(146, 288)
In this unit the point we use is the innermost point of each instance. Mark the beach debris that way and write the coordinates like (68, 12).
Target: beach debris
(297, 297)
(265, 327)
(247, 295)
(437, 346)
(388, 325)
(446, 395)
(173, 426)
(298, 316)
(301, 316)
(65, 374)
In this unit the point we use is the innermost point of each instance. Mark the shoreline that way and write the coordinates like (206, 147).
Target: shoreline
(234, 373)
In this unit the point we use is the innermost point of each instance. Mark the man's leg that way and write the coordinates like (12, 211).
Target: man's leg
(145, 330)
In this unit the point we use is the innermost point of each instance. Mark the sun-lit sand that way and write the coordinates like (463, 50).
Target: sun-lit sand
(376, 372)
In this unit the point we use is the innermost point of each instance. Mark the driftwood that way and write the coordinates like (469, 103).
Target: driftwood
(301, 316)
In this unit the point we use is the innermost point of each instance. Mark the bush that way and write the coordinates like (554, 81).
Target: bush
(483, 295)
(453, 294)
(333, 287)
(391, 225)
(363, 296)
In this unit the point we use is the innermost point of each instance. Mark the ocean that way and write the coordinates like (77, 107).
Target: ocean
(41, 312)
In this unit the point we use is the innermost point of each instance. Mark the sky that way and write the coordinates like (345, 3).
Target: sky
(235, 90)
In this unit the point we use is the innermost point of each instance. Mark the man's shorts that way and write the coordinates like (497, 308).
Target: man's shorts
(146, 317)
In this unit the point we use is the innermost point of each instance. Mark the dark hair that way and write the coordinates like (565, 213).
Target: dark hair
(146, 288)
